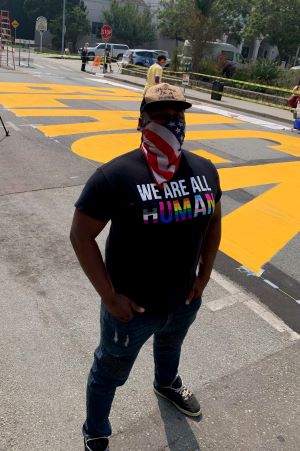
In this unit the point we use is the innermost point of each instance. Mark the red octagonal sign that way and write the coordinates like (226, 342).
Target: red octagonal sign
(106, 32)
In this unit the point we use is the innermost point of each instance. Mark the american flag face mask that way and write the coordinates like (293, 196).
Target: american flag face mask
(161, 145)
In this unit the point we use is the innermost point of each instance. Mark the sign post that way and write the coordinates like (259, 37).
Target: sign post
(41, 26)
(106, 34)
(15, 24)
(185, 80)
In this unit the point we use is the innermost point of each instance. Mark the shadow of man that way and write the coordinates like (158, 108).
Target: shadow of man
(179, 433)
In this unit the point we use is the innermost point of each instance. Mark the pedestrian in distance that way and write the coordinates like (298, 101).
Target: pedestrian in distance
(84, 56)
(296, 89)
(294, 103)
(228, 70)
(154, 73)
(164, 206)
(154, 77)
(226, 66)
(107, 60)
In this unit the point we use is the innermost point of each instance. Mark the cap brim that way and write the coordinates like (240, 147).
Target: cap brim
(164, 103)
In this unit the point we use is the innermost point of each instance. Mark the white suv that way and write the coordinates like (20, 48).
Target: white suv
(116, 50)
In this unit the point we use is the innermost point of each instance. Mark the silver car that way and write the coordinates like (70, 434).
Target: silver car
(143, 57)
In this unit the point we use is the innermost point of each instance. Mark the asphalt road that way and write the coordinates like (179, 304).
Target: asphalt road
(241, 359)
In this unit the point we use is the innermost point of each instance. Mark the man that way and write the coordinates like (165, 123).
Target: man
(164, 206)
(107, 60)
(228, 70)
(84, 56)
(154, 74)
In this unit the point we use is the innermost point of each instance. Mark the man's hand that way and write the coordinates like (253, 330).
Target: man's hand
(197, 289)
(122, 307)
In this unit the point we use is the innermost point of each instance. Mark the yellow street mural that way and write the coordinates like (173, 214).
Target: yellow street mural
(253, 233)
(256, 231)
(107, 120)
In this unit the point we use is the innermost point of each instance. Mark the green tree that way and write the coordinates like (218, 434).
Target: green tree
(187, 19)
(170, 19)
(16, 11)
(130, 25)
(77, 23)
(47, 8)
(205, 6)
(192, 20)
(4, 5)
(233, 16)
(279, 22)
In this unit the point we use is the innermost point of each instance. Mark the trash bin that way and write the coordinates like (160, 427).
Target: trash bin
(217, 89)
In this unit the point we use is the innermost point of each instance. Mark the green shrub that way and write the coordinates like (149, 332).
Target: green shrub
(265, 71)
(206, 66)
(287, 78)
(244, 73)
(175, 60)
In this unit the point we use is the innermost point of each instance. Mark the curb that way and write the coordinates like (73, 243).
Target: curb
(211, 102)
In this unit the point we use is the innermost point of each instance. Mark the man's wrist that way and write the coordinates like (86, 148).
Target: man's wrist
(109, 298)
(204, 276)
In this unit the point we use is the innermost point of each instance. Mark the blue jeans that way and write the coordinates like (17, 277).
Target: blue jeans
(119, 346)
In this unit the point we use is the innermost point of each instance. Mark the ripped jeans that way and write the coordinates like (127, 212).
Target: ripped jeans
(119, 346)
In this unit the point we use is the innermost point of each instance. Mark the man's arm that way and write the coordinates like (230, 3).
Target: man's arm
(208, 255)
(158, 75)
(84, 231)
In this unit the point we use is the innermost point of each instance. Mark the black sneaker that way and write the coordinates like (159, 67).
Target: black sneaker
(96, 444)
(180, 396)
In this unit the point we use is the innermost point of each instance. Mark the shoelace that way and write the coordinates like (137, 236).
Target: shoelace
(184, 392)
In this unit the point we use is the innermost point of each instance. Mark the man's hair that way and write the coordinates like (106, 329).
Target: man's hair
(161, 57)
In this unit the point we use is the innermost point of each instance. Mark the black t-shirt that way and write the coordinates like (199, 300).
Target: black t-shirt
(156, 236)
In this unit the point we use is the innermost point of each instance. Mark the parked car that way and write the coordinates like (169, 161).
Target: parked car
(295, 68)
(116, 50)
(142, 57)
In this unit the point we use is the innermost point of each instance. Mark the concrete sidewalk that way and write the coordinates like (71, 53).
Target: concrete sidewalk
(243, 106)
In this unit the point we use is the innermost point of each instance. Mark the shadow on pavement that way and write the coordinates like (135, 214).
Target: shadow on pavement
(178, 431)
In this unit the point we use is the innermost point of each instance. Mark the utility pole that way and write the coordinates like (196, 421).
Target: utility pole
(63, 28)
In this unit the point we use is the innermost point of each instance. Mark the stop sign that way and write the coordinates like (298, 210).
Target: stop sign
(106, 32)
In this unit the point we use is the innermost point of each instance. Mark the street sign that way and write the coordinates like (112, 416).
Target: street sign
(106, 33)
(15, 24)
(185, 79)
(41, 24)
(25, 41)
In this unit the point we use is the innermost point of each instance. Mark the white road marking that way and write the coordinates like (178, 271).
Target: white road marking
(31, 125)
(66, 68)
(271, 319)
(38, 65)
(224, 282)
(112, 83)
(238, 296)
(209, 109)
(51, 67)
(227, 301)
(242, 117)
(270, 283)
(12, 125)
